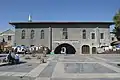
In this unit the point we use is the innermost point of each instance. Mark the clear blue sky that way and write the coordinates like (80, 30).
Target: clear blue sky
(56, 10)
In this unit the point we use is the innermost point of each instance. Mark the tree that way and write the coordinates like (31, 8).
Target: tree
(116, 19)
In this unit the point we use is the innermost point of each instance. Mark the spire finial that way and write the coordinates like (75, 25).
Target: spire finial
(30, 18)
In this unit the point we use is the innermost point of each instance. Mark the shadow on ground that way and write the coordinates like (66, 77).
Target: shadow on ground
(7, 64)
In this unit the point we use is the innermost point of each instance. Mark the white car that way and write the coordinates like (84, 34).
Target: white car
(20, 49)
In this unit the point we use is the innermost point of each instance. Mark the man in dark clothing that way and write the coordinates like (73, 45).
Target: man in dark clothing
(11, 57)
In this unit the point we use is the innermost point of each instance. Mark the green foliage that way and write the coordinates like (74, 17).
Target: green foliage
(116, 19)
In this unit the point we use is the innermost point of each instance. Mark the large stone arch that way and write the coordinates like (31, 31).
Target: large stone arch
(85, 49)
(69, 48)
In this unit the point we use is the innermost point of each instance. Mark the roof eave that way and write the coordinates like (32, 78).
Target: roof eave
(14, 23)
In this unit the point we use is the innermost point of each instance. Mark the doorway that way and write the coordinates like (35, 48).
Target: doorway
(65, 48)
(85, 49)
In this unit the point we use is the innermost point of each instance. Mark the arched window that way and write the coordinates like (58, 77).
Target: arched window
(65, 33)
(84, 34)
(93, 36)
(23, 34)
(32, 34)
(42, 34)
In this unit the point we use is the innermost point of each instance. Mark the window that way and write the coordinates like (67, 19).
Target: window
(42, 34)
(92, 43)
(22, 45)
(14, 44)
(23, 34)
(31, 45)
(9, 38)
(112, 38)
(65, 33)
(93, 36)
(32, 34)
(101, 35)
(84, 34)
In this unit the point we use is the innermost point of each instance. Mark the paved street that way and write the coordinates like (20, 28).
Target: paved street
(69, 67)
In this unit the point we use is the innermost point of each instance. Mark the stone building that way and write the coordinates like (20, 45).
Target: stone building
(7, 38)
(64, 37)
(113, 37)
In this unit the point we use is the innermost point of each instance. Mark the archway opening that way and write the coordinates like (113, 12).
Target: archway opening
(65, 48)
(85, 49)
(94, 51)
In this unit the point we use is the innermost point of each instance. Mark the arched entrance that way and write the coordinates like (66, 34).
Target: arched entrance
(65, 48)
(85, 49)
(94, 51)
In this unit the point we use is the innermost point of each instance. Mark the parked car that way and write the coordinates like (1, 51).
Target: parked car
(20, 49)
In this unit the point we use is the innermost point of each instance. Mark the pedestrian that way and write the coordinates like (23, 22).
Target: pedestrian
(16, 58)
(9, 58)
(13, 56)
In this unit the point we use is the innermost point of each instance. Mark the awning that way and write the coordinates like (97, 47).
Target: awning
(8, 45)
(115, 43)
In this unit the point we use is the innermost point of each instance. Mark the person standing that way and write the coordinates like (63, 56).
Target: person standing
(9, 58)
(16, 58)
(13, 56)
